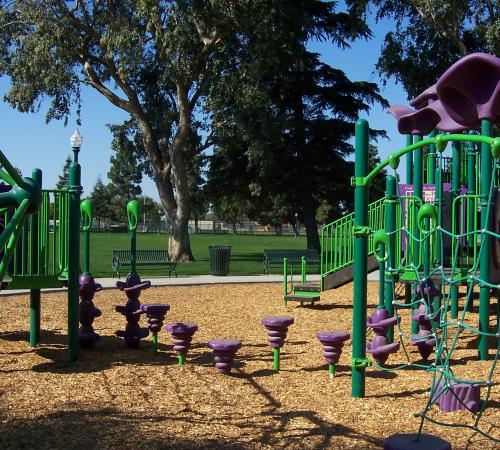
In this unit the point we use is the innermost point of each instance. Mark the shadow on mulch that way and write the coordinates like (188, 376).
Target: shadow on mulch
(98, 429)
(326, 430)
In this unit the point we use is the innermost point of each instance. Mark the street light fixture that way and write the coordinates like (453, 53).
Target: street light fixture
(76, 143)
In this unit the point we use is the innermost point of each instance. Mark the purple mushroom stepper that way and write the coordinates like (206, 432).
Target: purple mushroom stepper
(182, 334)
(224, 352)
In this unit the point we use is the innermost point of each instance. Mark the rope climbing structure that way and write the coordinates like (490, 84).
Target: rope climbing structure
(438, 247)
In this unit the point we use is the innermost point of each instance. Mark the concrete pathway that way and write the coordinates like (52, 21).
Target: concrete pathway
(109, 283)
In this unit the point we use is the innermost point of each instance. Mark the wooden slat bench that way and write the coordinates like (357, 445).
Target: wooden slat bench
(144, 257)
(274, 257)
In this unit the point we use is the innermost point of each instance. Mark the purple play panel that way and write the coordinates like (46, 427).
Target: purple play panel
(224, 351)
(410, 442)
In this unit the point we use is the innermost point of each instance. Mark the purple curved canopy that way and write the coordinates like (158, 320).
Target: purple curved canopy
(466, 93)
(470, 89)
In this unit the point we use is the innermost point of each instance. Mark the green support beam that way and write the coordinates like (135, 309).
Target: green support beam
(74, 261)
(484, 261)
(360, 261)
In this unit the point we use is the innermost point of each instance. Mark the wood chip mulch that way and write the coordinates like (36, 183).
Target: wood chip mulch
(118, 397)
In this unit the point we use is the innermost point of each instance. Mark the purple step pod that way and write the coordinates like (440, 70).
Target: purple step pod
(277, 329)
(132, 311)
(88, 311)
(458, 396)
(156, 315)
(182, 335)
(224, 352)
(415, 441)
(379, 347)
(424, 339)
(332, 343)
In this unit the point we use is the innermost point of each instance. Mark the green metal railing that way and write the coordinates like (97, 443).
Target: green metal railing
(47, 230)
(337, 238)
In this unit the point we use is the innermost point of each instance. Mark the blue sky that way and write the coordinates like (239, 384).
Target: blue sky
(28, 142)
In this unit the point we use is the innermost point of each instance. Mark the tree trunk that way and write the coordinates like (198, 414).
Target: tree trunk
(309, 213)
(173, 190)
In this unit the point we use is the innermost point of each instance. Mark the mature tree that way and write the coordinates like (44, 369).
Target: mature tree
(63, 179)
(295, 122)
(430, 35)
(151, 58)
(101, 197)
(126, 170)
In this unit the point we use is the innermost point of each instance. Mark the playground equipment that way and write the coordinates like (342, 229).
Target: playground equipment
(224, 353)
(332, 343)
(40, 242)
(133, 286)
(277, 329)
(156, 315)
(182, 335)
(438, 243)
(88, 286)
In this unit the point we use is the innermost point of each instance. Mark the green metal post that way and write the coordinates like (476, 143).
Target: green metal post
(86, 212)
(409, 161)
(181, 359)
(331, 371)
(133, 220)
(438, 203)
(418, 189)
(381, 281)
(154, 342)
(431, 174)
(455, 191)
(390, 226)
(484, 262)
(35, 268)
(471, 210)
(276, 354)
(360, 260)
(285, 280)
(74, 261)
(303, 269)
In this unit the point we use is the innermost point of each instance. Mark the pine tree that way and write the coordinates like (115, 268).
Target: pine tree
(63, 181)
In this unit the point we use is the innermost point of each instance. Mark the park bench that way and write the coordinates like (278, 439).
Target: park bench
(274, 257)
(146, 257)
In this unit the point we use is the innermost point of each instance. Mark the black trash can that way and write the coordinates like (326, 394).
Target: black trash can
(219, 259)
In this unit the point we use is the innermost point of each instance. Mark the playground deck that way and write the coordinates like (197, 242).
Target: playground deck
(117, 397)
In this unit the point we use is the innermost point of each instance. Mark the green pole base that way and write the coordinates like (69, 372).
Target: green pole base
(154, 343)
(182, 359)
(276, 352)
(331, 371)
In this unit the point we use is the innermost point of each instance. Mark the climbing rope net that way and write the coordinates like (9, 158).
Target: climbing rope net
(448, 334)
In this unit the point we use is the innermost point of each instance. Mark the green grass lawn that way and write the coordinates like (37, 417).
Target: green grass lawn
(246, 252)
